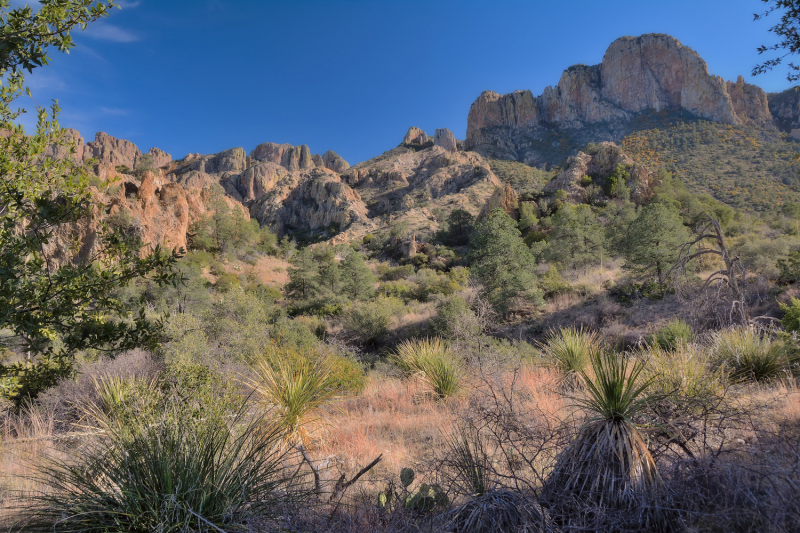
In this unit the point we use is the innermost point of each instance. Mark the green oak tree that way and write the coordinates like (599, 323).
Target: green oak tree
(58, 294)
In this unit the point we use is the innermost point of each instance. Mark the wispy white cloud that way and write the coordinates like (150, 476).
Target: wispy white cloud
(115, 111)
(44, 81)
(129, 4)
(109, 32)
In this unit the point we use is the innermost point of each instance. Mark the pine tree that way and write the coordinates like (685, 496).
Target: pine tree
(652, 241)
(357, 279)
(329, 271)
(577, 239)
(303, 276)
(501, 262)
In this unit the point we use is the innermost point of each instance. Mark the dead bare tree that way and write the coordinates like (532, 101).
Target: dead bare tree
(723, 291)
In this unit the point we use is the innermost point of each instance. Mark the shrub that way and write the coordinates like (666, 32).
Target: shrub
(401, 288)
(226, 282)
(400, 272)
(455, 319)
(791, 317)
(178, 475)
(369, 321)
(431, 361)
(674, 333)
(748, 355)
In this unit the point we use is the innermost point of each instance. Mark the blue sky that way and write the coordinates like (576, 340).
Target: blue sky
(351, 75)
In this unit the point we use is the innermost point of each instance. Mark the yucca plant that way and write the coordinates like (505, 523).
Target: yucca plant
(570, 350)
(295, 390)
(747, 355)
(174, 475)
(609, 463)
(127, 397)
(433, 362)
(469, 461)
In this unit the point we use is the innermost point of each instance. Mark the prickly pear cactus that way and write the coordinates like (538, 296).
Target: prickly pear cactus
(426, 498)
(406, 477)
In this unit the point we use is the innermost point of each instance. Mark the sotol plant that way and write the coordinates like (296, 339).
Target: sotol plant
(570, 350)
(609, 463)
(177, 474)
(295, 388)
(433, 362)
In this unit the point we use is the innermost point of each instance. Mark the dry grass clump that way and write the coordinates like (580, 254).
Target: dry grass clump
(685, 370)
(748, 355)
(431, 361)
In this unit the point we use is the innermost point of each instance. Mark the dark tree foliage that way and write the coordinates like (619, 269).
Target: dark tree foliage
(788, 31)
(357, 279)
(501, 261)
(57, 299)
(459, 227)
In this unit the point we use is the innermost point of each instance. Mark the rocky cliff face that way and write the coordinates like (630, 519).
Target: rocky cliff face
(653, 71)
(297, 157)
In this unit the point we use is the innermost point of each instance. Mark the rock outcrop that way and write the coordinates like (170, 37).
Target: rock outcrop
(309, 200)
(333, 161)
(112, 151)
(416, 136)
(785, 108)
(259, 179)
(445, 138)
(504, 198)
(598, 165)
(153, 159)
(653, 71)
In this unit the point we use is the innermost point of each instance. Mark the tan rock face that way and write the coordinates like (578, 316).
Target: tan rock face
(333, 161)
(750, 103)
(310, 199)
(513, 110)
(110, 150)
(504, 198)
(259, 179)
(656, 71)
(155, 158)
(653, 71)
(415, 136)
(445, 138)
(271, 152)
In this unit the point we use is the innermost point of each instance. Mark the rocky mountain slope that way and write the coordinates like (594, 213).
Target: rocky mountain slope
(600, 102)
(642, 83)
(284, 187)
